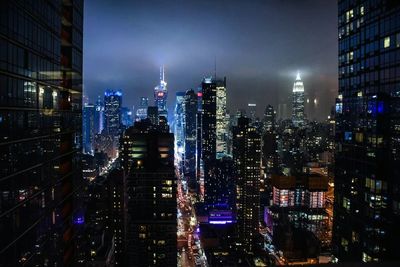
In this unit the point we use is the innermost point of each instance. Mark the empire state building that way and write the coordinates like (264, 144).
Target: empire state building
(298, 102)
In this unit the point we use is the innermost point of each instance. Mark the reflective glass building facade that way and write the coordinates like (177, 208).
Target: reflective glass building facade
(40, 130)
(367, 184)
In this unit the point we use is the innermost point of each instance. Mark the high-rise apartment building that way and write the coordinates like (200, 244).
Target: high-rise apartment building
(208, 133)
(112, 112)
(247, 163)
(40, 130)
(151, 189)
(367, 184)
(222, 123)
(298, 102)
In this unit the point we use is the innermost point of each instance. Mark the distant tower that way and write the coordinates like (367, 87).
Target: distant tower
(99, 116)
(298, 102)
(269, 119)
(88, 128)
(141, 112)
(152, 114)
(179, 125)
(112, 111)
(160, 95)
(252, 107)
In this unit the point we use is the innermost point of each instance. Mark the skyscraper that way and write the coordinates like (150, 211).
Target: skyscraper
(99, 116)
(222, 123)
(208, 133)
(112, 112)
(88, 128)
(152, 114)
(367, 184)
(179, 127)
(247, 162)
(40, 130)
(269, 119)
(298, 102)
(161, 94)
(252, 107)
(148, 160)
(141, 112)
(190, 109)
(126, 117)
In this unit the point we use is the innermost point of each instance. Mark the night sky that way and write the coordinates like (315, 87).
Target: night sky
(258, 46)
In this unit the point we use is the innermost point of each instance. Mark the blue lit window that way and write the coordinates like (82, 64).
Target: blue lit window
(348, 136)
(339, 107)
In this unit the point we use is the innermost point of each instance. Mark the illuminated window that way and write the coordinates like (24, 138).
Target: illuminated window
(386, 42)
(398, 40)
(366, 258)
(345, 244)
(142, 236)
(362, 11)
(346, 203)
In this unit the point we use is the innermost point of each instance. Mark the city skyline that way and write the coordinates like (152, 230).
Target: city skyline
(270, 135)
(142, 40)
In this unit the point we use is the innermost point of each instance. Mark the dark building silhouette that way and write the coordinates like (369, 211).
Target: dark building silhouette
(148, 160)
(117, 215)
(223, 179)
(40, 126)
(208, 135)
(152, 114)
(190, 108)
(367, 184)
(88, 129)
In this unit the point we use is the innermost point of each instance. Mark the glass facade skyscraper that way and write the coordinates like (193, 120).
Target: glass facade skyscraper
(367, 184)
(112, 112)
(179, 126)
(40, 130)
(99, 116)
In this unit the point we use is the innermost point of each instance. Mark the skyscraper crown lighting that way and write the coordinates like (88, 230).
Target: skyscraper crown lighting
(298, 84)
